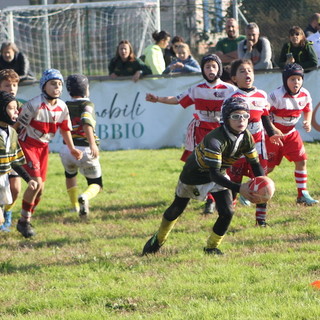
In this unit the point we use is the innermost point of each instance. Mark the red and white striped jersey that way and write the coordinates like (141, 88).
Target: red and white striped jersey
(257, 101)
(207, 98)
(40, 120)
(285, 109)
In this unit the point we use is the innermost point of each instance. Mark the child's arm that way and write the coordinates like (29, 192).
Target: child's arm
(167, 100)
(92, 142)
(307, 121)
(66, 135)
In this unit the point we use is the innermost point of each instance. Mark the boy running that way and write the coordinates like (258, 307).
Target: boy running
(9, 81)
(205, 171)
(207, 97)
(11, 155)
(38, 121)
(287, 103)
(82, 115)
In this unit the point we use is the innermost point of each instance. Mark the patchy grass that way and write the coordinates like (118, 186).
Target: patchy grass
(94, 269)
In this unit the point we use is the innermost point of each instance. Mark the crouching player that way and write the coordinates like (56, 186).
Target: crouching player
(205, 171)
(82, 115)
(11, 155)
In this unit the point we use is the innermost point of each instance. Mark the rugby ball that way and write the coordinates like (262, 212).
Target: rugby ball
(262, 188)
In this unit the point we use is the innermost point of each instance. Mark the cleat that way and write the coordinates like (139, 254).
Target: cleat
(25, 228)
(151, 246)
(215, 251)
(261, 223)
(84, 206)
(244, 201)
(209, 207)
(306, 199)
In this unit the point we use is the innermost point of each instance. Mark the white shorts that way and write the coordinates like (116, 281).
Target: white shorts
(197, 192)
(88, 166)
(5, 193)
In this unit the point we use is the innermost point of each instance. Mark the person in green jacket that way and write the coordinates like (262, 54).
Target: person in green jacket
(298, 50)
(153, 53)
(125, 63)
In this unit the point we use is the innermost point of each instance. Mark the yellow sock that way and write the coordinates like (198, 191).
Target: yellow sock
(92, 191)
(8, 207)
(164, 230)
(73, 195)
(214, 240)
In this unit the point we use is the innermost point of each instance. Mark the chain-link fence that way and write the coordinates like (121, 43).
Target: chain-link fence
(206, 25)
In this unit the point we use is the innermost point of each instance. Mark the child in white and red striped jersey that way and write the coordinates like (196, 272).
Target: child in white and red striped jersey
(287, 103)
(207, 97)
(242, 73)
(38, 121)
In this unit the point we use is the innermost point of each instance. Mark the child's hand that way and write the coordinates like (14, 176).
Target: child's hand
(76, 153)
(33, 184)
(151, 97)
(307, 126)
(247, 193)
(276, 139)
(94, 151)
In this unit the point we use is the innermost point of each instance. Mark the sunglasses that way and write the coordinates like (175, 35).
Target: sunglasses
(238, 116)
(295, 34)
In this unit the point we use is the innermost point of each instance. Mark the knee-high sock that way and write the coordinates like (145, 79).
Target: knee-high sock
(261, 211)
(214, 240)
(164, 230)
(301, 178)
(92, 191)
(73, 196)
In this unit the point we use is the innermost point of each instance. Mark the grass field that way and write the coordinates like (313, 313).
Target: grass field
(94, 269)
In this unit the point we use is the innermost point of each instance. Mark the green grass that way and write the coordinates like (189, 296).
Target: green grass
(94, 270)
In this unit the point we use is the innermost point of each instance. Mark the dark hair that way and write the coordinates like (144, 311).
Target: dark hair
(9, 75)
(176, 39)
(162, 35)
(11, 45)
(296, 29)
(237, 63)
(132, 56)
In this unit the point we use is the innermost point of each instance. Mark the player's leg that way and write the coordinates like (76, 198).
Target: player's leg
(37, 160)
(91, 169)
(225, 210)
(70, 165)
(15, 188)
(301, 178)
(169, 219)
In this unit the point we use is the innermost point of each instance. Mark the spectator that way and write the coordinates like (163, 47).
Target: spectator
(153, 53)
(184, 61)
(298, 50)
(125, 63)
(313, 26)
(170, 51)
(256, 48)
(315, 38)
(227, 48)
(12, 58)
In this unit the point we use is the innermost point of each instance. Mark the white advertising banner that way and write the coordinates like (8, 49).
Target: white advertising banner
(126, 121)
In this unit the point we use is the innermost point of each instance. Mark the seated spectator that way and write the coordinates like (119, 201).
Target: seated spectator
(125, 63)
(153, 53)
(313, 26)
(256, 48)
(184, 61)
(227, 48)
(298, 50)
(12, 58)
(315, 38)
(170, 51)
